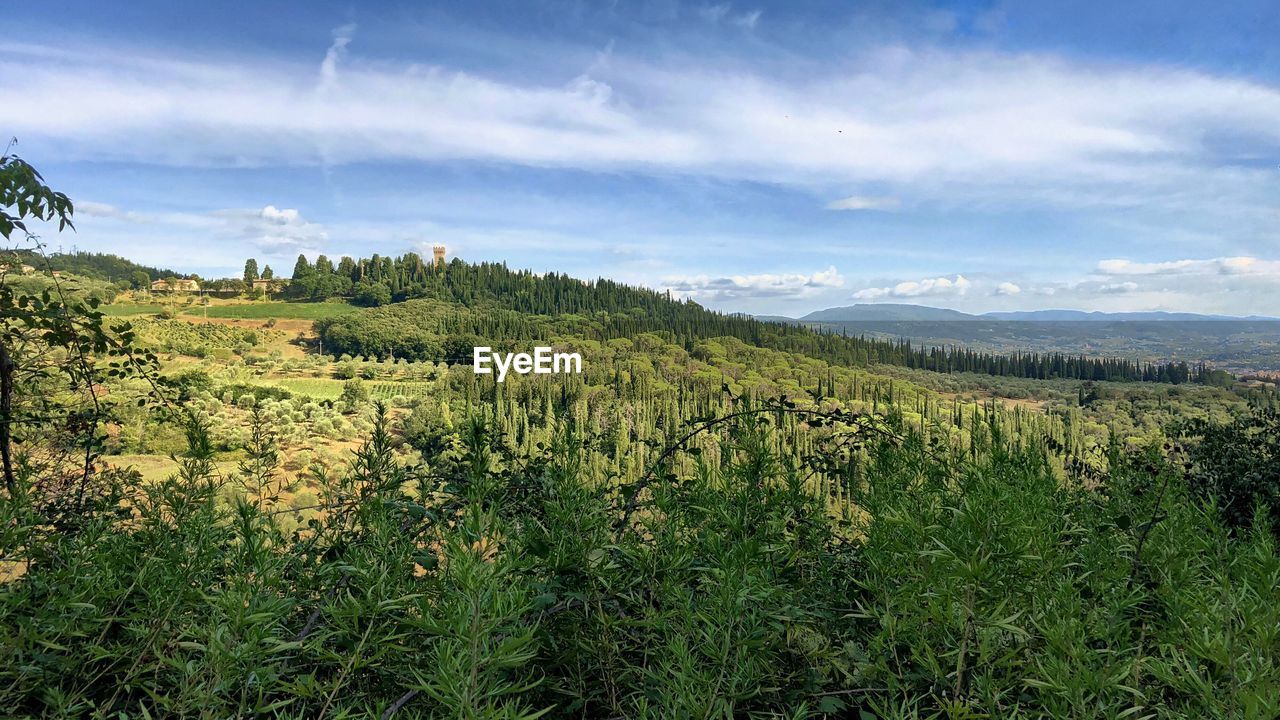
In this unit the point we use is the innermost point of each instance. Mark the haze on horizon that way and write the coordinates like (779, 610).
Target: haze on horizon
(771, 158)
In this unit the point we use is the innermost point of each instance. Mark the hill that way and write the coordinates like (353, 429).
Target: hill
(904, 312)
(1096, 316)
(98, 266)
(1239, 345)
(605, 310)
(885, 312)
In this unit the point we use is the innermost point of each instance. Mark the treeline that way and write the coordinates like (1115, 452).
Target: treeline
(98, 266)
(603, 310)
(1038, 366)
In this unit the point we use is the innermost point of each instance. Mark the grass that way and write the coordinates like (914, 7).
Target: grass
(271, 309)
(154, 468)
(129, 309)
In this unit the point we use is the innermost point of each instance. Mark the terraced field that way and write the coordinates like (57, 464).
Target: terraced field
(331, 389)
(385, 390)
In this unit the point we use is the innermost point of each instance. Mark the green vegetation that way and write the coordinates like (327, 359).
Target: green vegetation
(699, 524)
(282, 310)
(197, 339)
(130, 309)
(613, 310)
(105, 268)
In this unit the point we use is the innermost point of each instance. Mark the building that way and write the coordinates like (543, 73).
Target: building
(177, 285)
(437, 253)
(266, 285)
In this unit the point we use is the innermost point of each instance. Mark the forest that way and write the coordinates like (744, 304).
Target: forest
(619, 311)
(311, 509)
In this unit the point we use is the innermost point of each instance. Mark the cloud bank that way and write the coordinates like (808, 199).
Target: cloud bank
(929, 287)
(959, 126)
(768, 285)
(1240, 265)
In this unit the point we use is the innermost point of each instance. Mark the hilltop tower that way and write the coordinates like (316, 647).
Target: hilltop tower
(437, 253)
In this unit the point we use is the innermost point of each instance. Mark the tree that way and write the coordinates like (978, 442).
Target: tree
(347, 267)
(141, 280)
(354, 393)
(268, 273)
(55, 353)
(370, 294)
(250, 271)
(302, 269)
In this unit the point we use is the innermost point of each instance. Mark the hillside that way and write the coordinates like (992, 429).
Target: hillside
(105, 267)
(711, 516)
(1097, 316)
(892, 312)
(678, 496)
(614, 310)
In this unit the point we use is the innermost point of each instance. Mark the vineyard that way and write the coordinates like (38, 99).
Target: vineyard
(278, 310)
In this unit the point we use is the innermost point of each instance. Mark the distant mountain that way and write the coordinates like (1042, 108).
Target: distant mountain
(1235, 344)
(900, 312)
(886, 312)
(1082, 316)
(776, 318)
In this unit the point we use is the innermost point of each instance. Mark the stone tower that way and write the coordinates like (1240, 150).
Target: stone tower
(437, 253)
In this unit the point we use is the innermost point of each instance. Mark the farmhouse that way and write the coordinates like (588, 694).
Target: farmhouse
(177, 285)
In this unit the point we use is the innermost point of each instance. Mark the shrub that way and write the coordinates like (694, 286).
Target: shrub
(354, 393)
(1237, 465)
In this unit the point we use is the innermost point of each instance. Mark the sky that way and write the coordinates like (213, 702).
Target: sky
(759, 157)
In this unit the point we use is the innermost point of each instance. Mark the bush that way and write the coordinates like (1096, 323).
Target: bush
(369, 294)
(1237, 465)
(354, 393)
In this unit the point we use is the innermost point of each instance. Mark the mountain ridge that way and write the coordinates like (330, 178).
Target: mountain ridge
(904, 312)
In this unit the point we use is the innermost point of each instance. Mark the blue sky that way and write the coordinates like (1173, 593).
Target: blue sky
(760, 157)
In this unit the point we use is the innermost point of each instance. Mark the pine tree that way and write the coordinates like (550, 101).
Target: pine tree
(302, 269)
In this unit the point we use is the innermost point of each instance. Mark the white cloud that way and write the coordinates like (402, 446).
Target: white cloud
(272, 230)
(1240, 265)
(714, 13)
(1008, 288)
(1118, 288)
(929, 287)
(103, 210)
(284, 229)
(788, 285)
(863, 202)
(723, 11)
(342, 37)
(748, 20)
(969, 127)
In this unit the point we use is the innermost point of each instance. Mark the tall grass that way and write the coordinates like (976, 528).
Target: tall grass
(944, 583)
